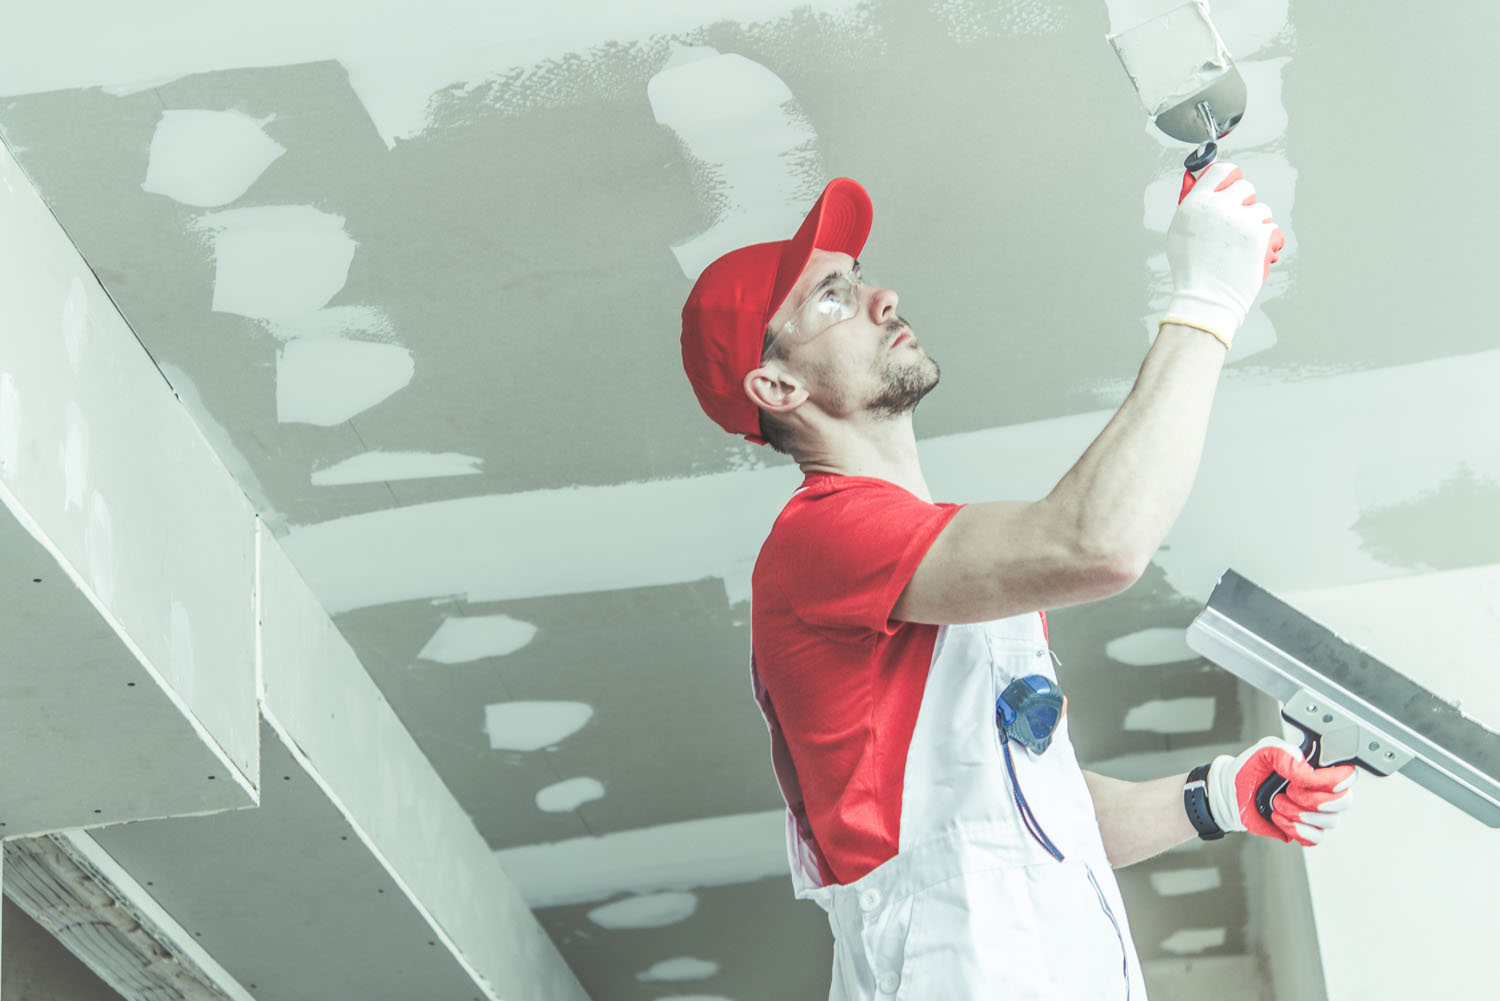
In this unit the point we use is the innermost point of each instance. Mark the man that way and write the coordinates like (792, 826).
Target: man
(899, 646)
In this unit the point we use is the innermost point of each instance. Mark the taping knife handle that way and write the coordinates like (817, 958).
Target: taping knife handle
(1199, 160)
(1272, 786)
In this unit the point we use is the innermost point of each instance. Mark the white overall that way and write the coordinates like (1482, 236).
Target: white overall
(973, 907)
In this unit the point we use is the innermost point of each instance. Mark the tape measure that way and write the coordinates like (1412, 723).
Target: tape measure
(1029, 711)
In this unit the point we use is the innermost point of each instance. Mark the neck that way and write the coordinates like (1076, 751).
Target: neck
(882, 449)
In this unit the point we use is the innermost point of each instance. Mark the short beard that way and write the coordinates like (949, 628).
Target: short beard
(904, 387)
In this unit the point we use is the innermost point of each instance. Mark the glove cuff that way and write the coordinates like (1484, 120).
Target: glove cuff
(1212, 318)
(1222, 801)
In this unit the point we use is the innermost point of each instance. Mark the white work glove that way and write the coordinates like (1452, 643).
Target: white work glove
(1220, 246)
(1302, 812)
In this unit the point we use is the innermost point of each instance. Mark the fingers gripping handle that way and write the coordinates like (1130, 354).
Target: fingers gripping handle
(1276, 783)
(1196, 163)
(1272, 790)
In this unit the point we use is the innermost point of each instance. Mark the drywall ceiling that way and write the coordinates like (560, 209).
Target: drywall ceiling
(417, 273)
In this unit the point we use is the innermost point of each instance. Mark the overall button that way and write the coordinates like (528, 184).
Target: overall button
(869, 900)
(888, 982)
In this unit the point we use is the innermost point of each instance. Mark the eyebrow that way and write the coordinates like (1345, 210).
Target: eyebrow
(853, 268)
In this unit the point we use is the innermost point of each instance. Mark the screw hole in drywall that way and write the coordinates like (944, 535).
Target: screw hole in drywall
(343, 837)
(98, 811)
(210, 778)
(36, 580)
(129, 684)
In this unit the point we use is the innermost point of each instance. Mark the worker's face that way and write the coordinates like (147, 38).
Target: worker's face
(844, 337)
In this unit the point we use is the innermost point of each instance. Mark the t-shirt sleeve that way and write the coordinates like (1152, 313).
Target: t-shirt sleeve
(845, 557)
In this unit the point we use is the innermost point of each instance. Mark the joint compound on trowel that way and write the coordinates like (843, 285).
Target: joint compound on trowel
(1183, 74)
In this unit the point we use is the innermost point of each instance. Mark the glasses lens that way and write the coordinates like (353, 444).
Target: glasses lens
(833, 303)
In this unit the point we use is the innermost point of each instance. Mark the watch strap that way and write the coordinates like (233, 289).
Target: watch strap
(1195, 800)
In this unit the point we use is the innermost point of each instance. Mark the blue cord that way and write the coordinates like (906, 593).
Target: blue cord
(1027, 817)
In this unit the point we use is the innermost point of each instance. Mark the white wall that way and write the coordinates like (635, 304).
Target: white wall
(1404, 892)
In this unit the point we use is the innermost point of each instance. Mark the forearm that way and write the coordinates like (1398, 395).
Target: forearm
(1127, 489)
(1139, 819)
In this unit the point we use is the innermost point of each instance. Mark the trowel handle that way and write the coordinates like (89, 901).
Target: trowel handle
(1311, 751)
(1199, 160)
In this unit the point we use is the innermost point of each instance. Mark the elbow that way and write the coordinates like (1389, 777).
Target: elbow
(1114, 568)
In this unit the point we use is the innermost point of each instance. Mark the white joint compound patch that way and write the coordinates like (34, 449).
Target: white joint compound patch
(569, 795)
(277, 260)
(74, 457)
(1150, 646)
(720, 851)
(680, 968)
(739, 122)
(75, 320)
(382, 467)
(656, 910)
(466, 638)
(208, 158)
(1187, 715)
(1178, 882)
(328, 382)
(531, 726)
(1189, 941)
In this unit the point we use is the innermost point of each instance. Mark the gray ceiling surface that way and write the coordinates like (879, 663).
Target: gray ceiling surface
(418, 279)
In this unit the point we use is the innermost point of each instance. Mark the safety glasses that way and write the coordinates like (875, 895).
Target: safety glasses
(834, 300)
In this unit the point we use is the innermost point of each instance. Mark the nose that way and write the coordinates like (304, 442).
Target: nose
(883, 304)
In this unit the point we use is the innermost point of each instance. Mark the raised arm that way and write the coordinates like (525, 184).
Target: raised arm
(1094, 534)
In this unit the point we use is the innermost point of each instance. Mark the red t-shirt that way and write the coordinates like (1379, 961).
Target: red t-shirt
(846, 680)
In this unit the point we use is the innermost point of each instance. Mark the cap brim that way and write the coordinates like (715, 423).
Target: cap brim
(839, 221)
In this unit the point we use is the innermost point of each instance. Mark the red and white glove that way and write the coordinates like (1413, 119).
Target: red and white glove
(1302, 812)
(1220, 246)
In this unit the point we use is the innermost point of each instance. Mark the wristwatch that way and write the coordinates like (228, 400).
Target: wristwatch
(1195, 800)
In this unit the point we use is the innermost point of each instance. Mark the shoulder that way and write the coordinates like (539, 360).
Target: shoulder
(826, 498)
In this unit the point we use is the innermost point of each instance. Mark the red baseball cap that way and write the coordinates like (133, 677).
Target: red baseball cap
(724, 320)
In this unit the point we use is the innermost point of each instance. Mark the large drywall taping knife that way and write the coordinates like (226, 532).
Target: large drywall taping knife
(1185, 79)
(1349, 706)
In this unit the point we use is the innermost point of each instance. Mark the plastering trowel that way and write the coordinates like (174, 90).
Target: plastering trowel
(1350, 707)
(1185, 79)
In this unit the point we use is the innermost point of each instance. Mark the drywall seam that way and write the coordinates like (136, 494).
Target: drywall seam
(123, 883)
(587, 539)
(23, 517)
(717, 851)
(461, 892)
(480, 980)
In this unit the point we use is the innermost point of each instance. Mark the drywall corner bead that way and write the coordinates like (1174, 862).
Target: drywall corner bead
(99, 544)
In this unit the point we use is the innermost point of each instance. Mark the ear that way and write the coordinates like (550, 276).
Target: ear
(775, 390)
